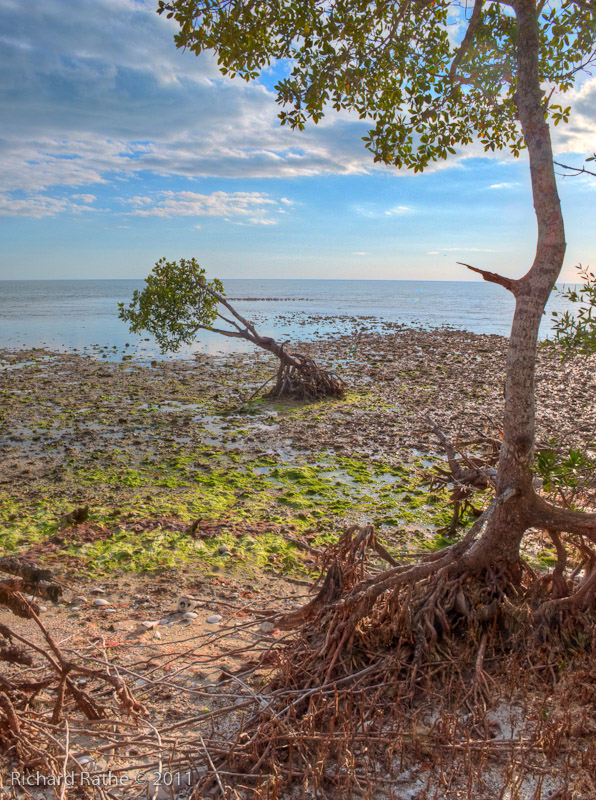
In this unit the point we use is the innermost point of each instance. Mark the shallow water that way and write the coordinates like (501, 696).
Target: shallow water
(83, 315)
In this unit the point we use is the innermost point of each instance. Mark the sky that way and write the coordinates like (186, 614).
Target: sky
(117, 149)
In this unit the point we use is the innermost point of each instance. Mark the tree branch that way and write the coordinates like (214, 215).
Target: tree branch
(229, 321)
(575, 170)
(221, 299)
(467, 40)
(561, 520)
(454, 464)
(585, 5)
(233, 334)
(493, 277)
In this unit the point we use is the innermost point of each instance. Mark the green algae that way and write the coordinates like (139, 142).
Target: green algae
(172, 452)
(328, 494)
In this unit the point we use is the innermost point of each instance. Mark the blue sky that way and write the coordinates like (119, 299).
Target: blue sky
(117, 149)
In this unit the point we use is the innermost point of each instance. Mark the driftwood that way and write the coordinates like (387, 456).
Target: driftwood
(19, 722)
(466, 474)
(30, 580)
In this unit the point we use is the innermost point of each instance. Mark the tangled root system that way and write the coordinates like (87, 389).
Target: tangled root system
(385, 665)
(301, 378)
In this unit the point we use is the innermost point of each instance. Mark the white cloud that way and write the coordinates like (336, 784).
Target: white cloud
(579, 134)
(96, 89)
(467, 250)
(360, 253)
(398, 210)
(505, 185)
(84, 198)
(249, 208)
(460, 250)
(372, 211)
(38, 206)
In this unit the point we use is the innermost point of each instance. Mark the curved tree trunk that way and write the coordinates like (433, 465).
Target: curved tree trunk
(297, 376)
(501, 540)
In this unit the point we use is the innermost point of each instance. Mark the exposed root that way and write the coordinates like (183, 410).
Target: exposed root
(20, 724)
(375, 651)
(300, 377)
(385, 670)
(467, 473)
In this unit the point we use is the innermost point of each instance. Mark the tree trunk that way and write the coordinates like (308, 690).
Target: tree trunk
(501, 540)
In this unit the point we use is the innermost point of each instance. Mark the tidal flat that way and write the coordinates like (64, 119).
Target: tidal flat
(149, 448)
(142, 485)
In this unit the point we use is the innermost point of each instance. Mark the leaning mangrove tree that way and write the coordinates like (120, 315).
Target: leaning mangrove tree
(178, 301)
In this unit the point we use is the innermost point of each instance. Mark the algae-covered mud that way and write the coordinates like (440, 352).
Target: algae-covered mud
(174, 459)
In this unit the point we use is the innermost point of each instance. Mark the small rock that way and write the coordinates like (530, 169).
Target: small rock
(43, 608)
(97, 591)
(110, 611)
(149, 625)
(156, 635)
(185, 603)
(75, 608)
(266, 626)
(214, 619)
(190, 615)
(100, 602)
(222, 549)
(80, 599)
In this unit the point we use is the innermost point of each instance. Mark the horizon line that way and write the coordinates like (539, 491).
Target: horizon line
(275, 280)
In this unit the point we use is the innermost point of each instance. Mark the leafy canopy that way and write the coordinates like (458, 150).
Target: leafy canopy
(393, 63)
(576, 333)
(174, 304)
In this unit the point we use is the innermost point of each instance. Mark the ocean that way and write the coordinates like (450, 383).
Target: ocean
(82, 315)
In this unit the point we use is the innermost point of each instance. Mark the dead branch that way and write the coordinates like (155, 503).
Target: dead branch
(493, 277)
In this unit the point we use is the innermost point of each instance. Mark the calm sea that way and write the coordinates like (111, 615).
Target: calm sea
(83, 315)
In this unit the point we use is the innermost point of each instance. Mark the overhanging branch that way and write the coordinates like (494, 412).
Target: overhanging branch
(221, 299)
(575, 170)
(493, 277)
